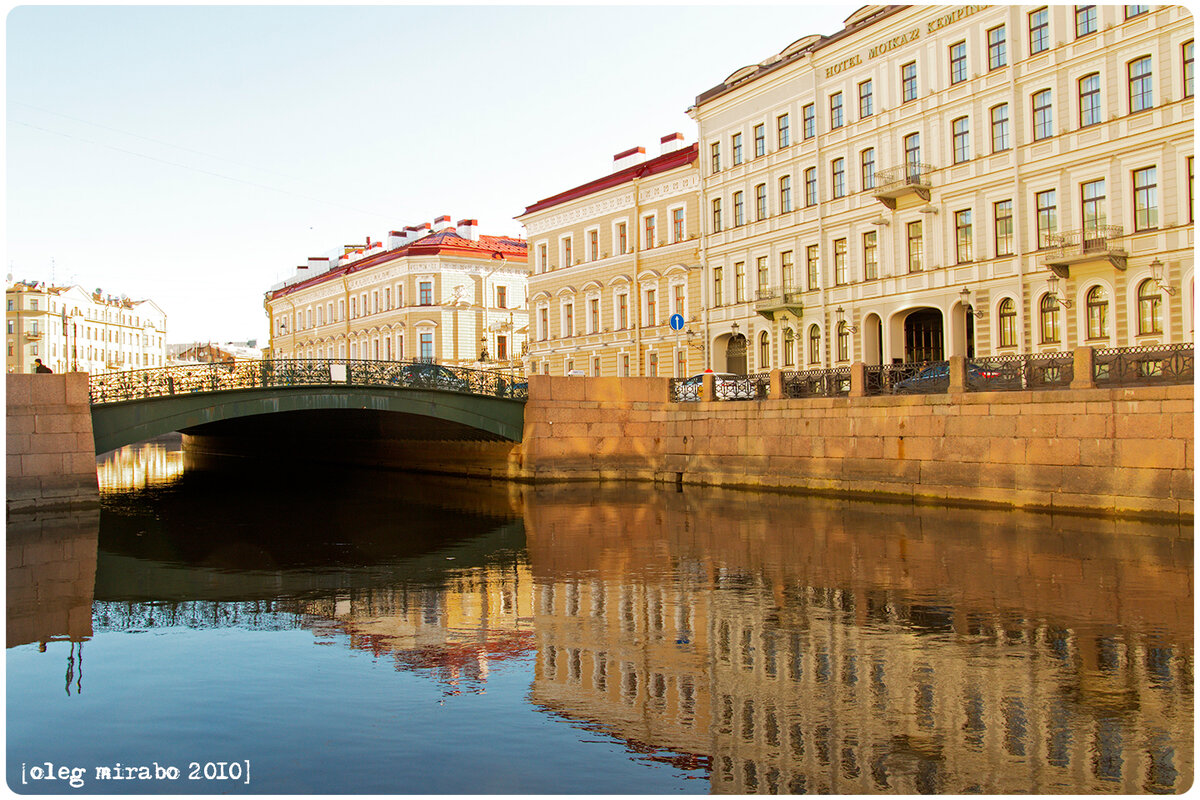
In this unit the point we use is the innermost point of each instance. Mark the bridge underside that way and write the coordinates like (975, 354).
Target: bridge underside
(311, 413)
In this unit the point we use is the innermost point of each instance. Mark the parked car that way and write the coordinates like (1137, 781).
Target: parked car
(936, 378)
(726, 386)
(432, 376)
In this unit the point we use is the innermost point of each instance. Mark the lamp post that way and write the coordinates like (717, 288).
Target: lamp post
(1157, 271)
(1052, 285)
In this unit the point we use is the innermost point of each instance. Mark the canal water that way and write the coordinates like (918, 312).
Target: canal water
(307, 628)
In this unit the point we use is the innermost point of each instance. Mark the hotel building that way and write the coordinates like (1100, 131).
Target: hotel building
(934, 181)
(613, 260)
(439, 293)
(73, 330)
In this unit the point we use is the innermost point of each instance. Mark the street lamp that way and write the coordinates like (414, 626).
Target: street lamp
(1158, 273)
(1052, 285)
(965, 295)
(841, 313)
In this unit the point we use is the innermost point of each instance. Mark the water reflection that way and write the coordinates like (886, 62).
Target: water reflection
(155, 463)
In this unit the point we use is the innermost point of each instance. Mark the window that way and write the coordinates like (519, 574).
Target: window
(1047, 217)
(719, 286)
(501, 347)
(594, 315)
(835, 111)
(813, 266)
(426, 346)
(839, 177)
(997, 48)
(716, 215)
(1149, 308)
(677, 299)
(1134, 11)
(810, 121)
(622, 238)
(1189, 69)
(1048, 315)
(810, 186)
(915, 246)
(1000, 128)
(789, 348)
(649, 231)
(866, 99)
(912, 155)
(715, 149)
(785, 194)
(867, 159)
(870, 245)
(1191, 183)
(1141, 85)
(651, 308)
(568, 319)
(814, 344)
(1089, 100)
(785, 270)
(544, 323)
(760, 140)
(839, 262)
(1097, 313)
(783, 130)
(958, 62)
(760, 201)
(1002, 213)
(1007, 321)
(1039, 30)
(737, 149)
(622, 311)
(677, 231)
(962, 236)
(908, 81)
(567, 256)
(843, 342)
(764, 277)
(739, 208)
(1085, 20)
(739, 282)
(1043, 115)
(425, 290)
(593, 245)
(1145, 199)
(1092, 205)
(960, 133)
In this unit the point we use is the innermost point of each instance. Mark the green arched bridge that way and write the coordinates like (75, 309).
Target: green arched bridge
(440, 401)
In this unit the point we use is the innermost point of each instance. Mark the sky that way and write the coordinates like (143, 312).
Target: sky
(195, 155)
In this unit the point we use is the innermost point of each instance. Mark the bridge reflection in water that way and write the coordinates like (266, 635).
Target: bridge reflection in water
(765, 644)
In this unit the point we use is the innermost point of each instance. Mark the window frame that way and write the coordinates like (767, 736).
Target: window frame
(837, 117)
(1096, 312)
(760, 140)
(1046, 217)
(1141, 85)
(837, 174)
(960, 137)
(997, 48)
(1048, 322)
(1145, 199)
(958, 62)
(1002, 212)
(1043, 114)
(1006, 323)
(809, 120)
(783, 131)
(735, 143)
(785, 194)
(866, 99)
(866, 158)
(1149, 309)
(1039, 30)
(914, 237)
(811, 197)
(1087, 21)
(1090, 100)
(870, 251)
(908, 82)
(964, 248)
(1000, 136)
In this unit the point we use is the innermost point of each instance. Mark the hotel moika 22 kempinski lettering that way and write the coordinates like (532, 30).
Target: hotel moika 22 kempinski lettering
(902, 39)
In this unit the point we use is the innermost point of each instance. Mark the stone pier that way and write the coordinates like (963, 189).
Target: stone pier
(51, 454)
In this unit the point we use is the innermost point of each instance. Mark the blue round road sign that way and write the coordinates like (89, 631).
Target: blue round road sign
(677, 322)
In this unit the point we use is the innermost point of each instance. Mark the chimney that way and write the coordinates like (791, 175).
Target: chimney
(318, 265)
(630, 157)
(671, 142)
(468, 229)
(441, 223)
(395, 239)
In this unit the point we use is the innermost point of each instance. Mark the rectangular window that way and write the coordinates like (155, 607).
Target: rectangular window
(543, 258)
(1047, 217)
(870, 246)
(958, 62)
(651, 308)
(1135, 11)
(962, 237)
(1191, 182)
(810, 186)
(1002, 213)
(737, 149)
(649, 231)
(568, 319)
(1189, 69)
(997, 48)
(1085, 21)
(838, 168)
(677, 231)
(835, 111)
(866, 99)
(1039, 30)
(739, 208)
(501, 297)
(760, 201)
(426, 292)
(785, 270)
(1089, 100)
(867, 159)
(785, 194)
(912, 154)
(567, 256)
(716, 215)
(1043, 115)
(739, 282)
(810, 121)
(1141, 85)
(718, 286)
(1092, 197)
(908, 82)
(760, 140)
(1000, 128)
(622, 311)
(593, 245)
(677, 299)
(916, 247)
(960, 133)
(715, 149)
(594, 315)
(622, 238)
(813, 266)
(426, 347)
(1145, 199)
(839, 262)
(764, 278)
(783, 130)
(544, 331)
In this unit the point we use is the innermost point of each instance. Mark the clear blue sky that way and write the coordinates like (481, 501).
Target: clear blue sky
(194, 155)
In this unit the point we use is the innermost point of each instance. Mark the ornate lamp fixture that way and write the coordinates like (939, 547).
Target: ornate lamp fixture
(1052, 285)
(1158, 272)
(965, 294)
(841, 314)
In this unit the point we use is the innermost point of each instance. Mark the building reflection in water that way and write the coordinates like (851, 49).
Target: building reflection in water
(154, 463)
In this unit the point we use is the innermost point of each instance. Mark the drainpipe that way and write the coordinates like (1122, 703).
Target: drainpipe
(637, 286)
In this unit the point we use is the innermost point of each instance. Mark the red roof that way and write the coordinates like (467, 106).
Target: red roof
(663, 163)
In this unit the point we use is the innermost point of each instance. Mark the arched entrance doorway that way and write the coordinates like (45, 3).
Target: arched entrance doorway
(735, 355)
(924, 339)
(872, 339)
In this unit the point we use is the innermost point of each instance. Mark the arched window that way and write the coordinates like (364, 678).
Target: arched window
(1149, 308)
(1097, 313)
(814, 344)
(843, 342)
(789, 348)
(764, 350)
(1006, 317)
(1048, 316)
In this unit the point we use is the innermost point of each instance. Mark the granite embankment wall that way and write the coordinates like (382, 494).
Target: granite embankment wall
(51, 455)
(1127, 451)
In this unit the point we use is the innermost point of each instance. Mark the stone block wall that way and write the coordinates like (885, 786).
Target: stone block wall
(1127, 451)
(51, 455)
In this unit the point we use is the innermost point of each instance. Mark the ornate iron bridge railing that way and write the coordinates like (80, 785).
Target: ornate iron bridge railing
(117, 387)
(1142, 366)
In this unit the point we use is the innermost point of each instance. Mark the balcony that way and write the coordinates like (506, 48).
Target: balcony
(892, 184)
(33, 336)
(769, 302)
(1099, 246)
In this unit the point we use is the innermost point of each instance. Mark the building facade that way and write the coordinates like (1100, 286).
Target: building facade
(934, 181)
(73, 330)
(439, 293)
(612, 261)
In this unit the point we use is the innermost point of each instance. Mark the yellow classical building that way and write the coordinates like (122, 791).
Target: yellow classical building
(613, 260)
(433, 292)
(951, 180)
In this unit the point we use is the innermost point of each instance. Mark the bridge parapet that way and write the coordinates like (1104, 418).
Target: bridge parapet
(117, 387)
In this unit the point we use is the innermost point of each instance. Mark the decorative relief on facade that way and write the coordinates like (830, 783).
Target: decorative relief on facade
(565, 219)
(662, 191)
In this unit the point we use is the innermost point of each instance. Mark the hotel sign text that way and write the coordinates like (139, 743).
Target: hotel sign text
(901, 39)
